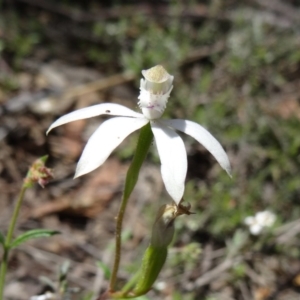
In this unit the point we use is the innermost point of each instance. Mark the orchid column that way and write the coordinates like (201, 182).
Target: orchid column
(155, 90)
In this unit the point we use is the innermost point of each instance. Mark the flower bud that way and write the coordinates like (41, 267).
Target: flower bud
(39, 173)
(163, 228)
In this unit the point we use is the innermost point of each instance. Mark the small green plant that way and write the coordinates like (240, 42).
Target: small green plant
(38, 173)
(60, 288)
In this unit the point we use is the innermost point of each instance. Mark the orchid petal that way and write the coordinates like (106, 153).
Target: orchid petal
(173, 159)
(104, 140)
(200, 134)
(96, 110)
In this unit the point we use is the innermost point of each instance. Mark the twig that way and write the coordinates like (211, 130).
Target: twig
(94, 86)
(244, 291)
(216, 272)
(265, 17)
(154, 10)
(108, 82)
(282, 286)
(203, 52)
(256, 278)
(65, 98)
(53, 260)
(282, 8)
(289, 234)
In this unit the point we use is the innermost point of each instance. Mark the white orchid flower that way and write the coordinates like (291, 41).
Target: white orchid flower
(154, 93)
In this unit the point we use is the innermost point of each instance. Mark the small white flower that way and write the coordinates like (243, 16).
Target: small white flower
(154, 93)
(261, 220)
(46, 296)
(267, 218)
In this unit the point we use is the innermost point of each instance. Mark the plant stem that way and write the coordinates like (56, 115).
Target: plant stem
(132, 175)
(9, 238)
(3, 272)
(15, 216)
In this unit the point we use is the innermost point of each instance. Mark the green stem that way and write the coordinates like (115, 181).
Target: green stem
(15, 216)
(130, 284)
(142, 148)
(8, 239)
(3, 272)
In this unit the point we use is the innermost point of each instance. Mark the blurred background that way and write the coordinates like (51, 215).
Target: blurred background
(236, 66)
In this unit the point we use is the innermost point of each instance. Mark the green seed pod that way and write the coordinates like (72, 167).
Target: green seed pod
(156, 254)
(153, 261)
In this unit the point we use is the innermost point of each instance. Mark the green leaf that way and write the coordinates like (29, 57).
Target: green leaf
(104, 268)
(87, 296)
(32, 234)
(2, 238)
